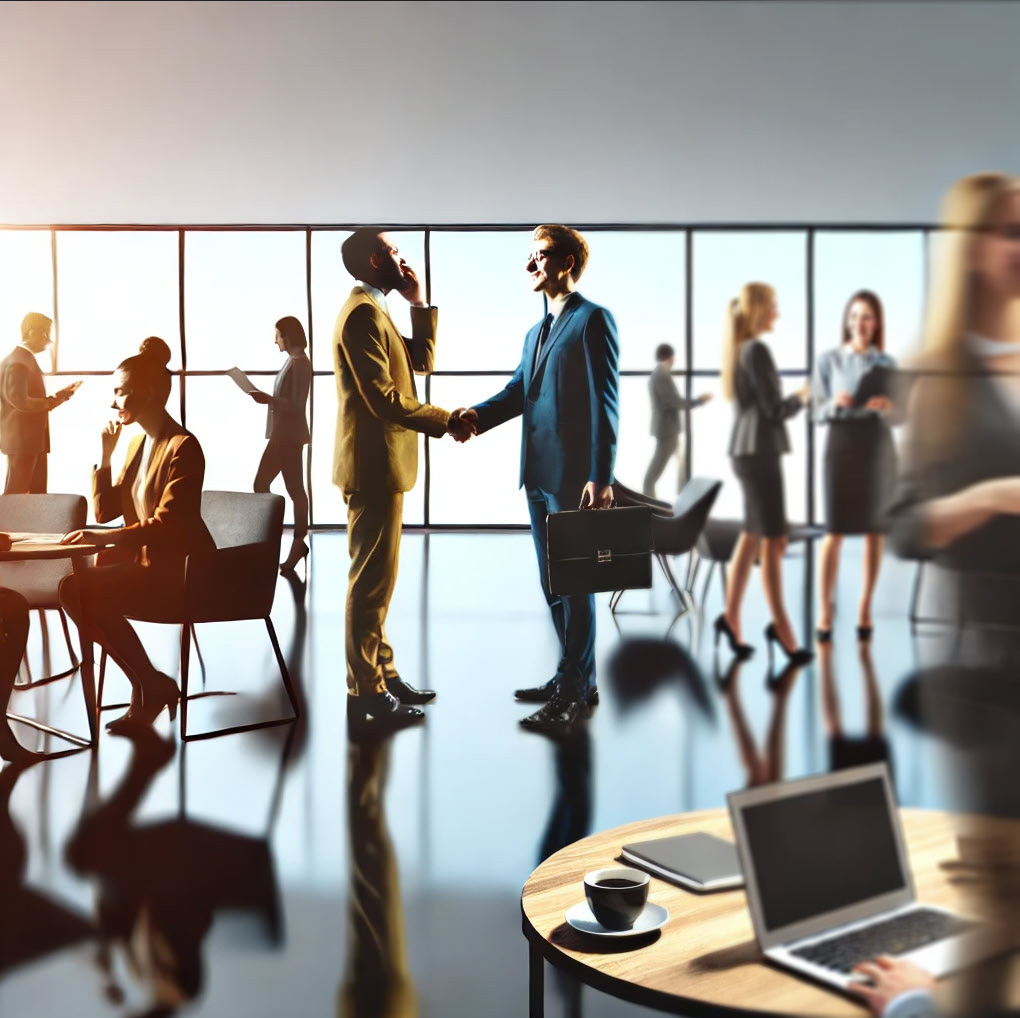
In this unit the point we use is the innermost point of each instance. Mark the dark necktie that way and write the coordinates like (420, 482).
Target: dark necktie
(543, 335)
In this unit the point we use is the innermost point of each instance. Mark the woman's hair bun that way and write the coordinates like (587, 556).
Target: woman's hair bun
(155, 349)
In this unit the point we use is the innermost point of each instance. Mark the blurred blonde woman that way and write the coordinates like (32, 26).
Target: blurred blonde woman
(958, 495)
(958, 503)
(759, 439)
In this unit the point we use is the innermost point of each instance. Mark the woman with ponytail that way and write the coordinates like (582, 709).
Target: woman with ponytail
(159, 496)
(759, 439)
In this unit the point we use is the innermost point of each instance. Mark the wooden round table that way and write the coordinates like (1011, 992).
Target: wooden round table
(705, 960)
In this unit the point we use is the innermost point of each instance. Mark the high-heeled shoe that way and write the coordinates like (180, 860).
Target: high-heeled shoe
(800, 656)
(722, 626)
(864, 633)
(298, 550)
(158, 695)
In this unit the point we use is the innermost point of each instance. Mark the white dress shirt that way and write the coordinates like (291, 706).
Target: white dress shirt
(378, 296)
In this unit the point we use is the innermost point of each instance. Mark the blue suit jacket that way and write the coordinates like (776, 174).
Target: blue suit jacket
(569, 401)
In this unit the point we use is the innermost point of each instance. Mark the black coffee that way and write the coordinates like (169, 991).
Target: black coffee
(616, 882)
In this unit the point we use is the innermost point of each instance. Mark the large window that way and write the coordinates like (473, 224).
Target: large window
(114, 286)
(113, 290)
(26, 280)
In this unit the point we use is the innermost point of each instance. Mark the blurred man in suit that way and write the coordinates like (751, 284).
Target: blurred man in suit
(667, 424)
(376, 460)
(24, 408)
(566, 389)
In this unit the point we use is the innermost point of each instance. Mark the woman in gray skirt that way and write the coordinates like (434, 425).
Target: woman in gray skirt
(853, 398)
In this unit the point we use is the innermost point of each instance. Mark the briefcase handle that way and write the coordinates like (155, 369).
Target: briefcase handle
(580, 505)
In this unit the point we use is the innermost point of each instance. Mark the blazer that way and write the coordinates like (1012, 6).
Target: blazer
(667, 424)
(760, 407)
(24, 405)
(174, 483)
(568, 399)
(287, 421)
(378, 412)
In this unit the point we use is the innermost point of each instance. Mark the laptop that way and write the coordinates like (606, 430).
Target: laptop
(828, 884)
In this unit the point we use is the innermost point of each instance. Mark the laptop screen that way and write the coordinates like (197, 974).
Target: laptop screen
(823, 850)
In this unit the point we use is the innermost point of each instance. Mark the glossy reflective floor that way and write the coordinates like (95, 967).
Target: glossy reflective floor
(287, 872)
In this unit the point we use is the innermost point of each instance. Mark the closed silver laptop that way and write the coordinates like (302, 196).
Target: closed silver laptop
(829, 885)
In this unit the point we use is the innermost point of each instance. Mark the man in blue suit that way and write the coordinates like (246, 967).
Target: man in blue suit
(566, 388)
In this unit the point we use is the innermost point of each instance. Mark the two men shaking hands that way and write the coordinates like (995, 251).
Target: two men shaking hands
(565, 389)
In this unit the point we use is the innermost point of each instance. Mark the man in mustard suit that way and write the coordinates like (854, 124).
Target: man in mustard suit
(25, 408)
(376, 460)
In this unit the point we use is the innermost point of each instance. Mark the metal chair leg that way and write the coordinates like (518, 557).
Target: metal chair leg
(31, 683)
(693, 565)
(915, 596)
(288, 684)
(198, 651)
(186, 629)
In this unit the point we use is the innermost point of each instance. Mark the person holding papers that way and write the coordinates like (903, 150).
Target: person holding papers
(287, 431)
(852, 389)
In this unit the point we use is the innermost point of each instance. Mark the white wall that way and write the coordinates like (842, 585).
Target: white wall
(590, 112)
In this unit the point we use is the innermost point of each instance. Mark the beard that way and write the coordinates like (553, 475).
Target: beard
(394, 277)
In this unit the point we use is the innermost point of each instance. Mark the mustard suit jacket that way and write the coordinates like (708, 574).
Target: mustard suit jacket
(379, 415)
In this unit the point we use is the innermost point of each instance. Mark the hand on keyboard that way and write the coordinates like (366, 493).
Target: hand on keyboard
(882, 980)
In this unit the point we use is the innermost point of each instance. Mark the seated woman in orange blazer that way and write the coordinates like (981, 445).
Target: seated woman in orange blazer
(159, 495)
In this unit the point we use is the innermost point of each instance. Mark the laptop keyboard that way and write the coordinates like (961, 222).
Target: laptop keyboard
(894, 936)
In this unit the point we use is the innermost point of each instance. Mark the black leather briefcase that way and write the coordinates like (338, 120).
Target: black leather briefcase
(591, 550)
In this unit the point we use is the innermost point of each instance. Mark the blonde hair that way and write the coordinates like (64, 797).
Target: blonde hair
(943, 393)
(968, 209)
(746, 317)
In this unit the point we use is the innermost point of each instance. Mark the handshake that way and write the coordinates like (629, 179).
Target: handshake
(463, 424)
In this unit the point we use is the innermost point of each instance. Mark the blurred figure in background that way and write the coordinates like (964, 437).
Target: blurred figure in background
(287, 431)
(852, 389)
(667, 424)
(24, 408)
(958, 503)
(759, 439)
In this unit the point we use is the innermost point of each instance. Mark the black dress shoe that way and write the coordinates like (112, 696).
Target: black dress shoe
(408, 694)
(380, 712)
(542, 694)
(558, 717)
(538, 694)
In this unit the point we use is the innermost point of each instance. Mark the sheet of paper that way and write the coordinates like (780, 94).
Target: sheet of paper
(242, 381)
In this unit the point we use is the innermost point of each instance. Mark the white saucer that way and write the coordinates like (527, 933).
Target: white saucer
(652, 918)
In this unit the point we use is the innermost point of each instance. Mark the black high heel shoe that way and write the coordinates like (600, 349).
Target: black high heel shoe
(159, 695)
(721, 626)
(800, 656)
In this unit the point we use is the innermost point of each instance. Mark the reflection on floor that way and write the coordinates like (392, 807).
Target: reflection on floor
(288, 872)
